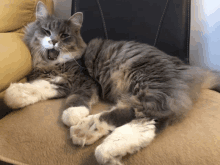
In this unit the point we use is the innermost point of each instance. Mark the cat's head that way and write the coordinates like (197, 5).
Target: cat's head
(54, 40)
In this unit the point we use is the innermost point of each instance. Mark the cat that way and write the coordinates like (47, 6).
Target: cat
(149, 89)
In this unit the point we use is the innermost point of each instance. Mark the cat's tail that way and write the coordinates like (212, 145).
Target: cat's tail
(211, 80)
(207, 79)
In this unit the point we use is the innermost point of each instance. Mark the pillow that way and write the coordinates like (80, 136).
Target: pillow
(15, 14)
(15, 59)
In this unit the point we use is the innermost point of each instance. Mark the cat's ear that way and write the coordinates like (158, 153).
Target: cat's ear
(77, 19)
(41, 11)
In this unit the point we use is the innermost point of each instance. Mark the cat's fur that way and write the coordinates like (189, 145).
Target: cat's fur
(149, 88)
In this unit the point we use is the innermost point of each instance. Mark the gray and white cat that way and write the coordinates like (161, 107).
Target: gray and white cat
(150, 89)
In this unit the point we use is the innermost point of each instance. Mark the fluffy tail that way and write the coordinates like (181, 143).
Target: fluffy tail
(211, 80)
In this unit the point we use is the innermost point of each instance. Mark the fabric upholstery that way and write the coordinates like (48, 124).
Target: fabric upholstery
(35, 135)
(162, 23)
(4, 110)
(15, 59)
(14, 15)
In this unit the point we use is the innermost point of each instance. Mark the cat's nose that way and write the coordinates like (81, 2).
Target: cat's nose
(53, 42)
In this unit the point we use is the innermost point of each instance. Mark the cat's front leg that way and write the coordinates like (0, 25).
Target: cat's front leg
(78, 106)
(19, 95)
(93, 127)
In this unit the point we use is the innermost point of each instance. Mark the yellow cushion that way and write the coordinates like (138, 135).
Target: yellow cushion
(15, 59)
(15, 14)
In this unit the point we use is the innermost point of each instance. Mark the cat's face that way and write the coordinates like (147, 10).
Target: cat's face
(55, 40)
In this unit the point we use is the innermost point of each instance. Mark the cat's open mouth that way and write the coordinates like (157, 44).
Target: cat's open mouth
(52, 54)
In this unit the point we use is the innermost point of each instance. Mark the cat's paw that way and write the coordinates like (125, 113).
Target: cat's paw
(126, 139)
(111, 151)
(105, 156)
(19, 95)
(89, 130)
(73, 115)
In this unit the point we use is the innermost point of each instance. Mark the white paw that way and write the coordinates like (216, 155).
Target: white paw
(89, 130)
(128, 138)
(19, 95)
(73, 115)
(104, 156)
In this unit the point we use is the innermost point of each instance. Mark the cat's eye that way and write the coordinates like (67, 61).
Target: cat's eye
(64, 35)
(46, 31)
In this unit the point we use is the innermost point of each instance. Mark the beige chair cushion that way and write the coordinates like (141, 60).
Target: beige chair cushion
(35, 135)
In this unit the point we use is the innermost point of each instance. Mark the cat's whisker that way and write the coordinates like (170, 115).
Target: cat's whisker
(37, 50)
(34, 49)
(42, 51)
(73, 58)
(61, 49)
(84, 142)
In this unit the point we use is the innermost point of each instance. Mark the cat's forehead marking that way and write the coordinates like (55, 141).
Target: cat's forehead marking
(57, 26)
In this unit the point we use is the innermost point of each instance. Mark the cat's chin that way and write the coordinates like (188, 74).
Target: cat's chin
(52, 54)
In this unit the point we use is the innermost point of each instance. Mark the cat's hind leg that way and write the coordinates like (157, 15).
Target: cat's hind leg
(78, 106)
(19, 95)
(128, 138)
(93, 127)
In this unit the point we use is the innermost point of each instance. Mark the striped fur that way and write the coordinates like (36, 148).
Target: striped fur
(149, 89)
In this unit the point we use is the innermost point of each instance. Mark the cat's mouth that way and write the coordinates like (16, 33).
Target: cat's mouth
(52, 54)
